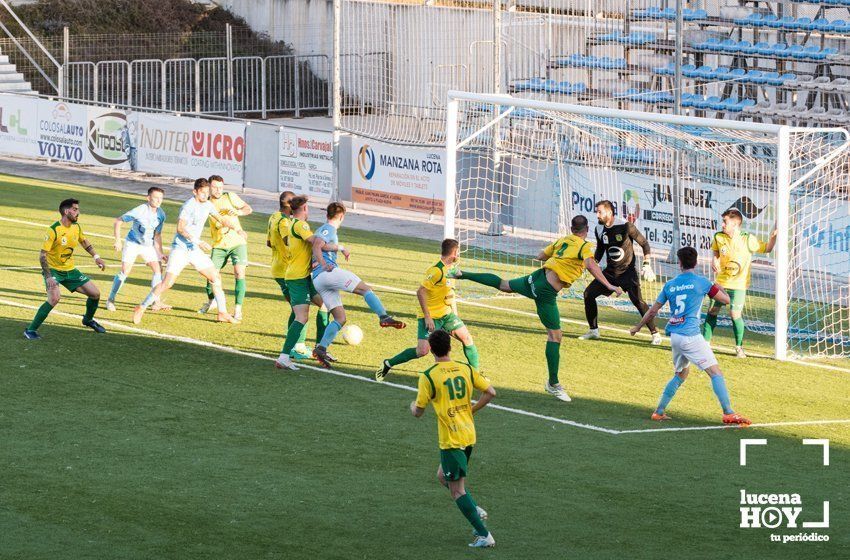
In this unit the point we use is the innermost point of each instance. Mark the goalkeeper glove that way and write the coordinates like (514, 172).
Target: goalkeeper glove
(646, 271)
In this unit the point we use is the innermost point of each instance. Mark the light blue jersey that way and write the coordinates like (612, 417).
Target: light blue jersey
(685, 293)
(195, 214)
(328, 233)
(147, 222)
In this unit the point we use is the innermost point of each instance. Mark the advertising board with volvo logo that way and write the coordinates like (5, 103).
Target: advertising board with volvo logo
(397, 176)
(189, 147)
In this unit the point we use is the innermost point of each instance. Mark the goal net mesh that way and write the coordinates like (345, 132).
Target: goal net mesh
(522, 174)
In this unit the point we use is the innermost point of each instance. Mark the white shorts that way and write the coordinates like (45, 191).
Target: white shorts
(691, 350)
(328, 284)
(180, 257)
(133, 250)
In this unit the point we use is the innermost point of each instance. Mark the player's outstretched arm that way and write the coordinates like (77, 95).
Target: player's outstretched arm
(771, 242)
(718, 294)
(116, 227)
(648, 316)
(90, 250)
(593, 266)
(485, 398)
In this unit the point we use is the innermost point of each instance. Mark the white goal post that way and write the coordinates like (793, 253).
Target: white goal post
(517, 171)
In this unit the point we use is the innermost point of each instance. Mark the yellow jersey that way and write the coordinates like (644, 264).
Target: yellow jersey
(278, 226)
(566, 257)
(224, 237)
(448, 387)
(300, 250)
(439, 291)
(736, 255)
(59, 243)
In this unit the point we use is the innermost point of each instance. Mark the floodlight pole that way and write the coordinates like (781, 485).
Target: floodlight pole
(677, 156)
(336, 100)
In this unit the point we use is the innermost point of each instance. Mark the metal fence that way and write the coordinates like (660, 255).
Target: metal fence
(214, 85)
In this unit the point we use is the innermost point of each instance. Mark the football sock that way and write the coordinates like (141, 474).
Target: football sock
(322, 321)
(156, 279)
(117, 282)
(468, 509)
(220, 300)
(553, 359)
(471, 353)
(148, 301)
(708, 326)
(330, 333)
(240, 291)
(719, 386)
(292, 335)
(374, 303)
(210, 293)
(302, 338)
(738, 330)
(40, 316)
(91, 308)
(483, 278)
(591, 312)
(669, 391)
(405, 355)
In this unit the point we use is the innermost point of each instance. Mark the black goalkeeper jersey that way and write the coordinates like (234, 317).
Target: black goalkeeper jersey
(616, 244)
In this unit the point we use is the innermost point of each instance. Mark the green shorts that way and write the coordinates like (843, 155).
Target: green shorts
(455, 462)
(738, 297)
(448, 322)
(283, 289)
(71, 279)
(536, 287)
(236, 255)
(301, 291)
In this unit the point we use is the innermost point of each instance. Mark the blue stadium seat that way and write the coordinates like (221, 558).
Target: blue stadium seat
(754, 77)
(746, 47)
(805, 24)
(829, 51)
(768, 20)
(736, 74)
(779, 49)
(551, 86)
(710, 44)
(688, 70)
(704, 72)
(742, 105)
(751, 19)
(688, 99)
(722, 73)
(783, 23)
(840, 26)
(796, 51)
(706, 103)
(728, 45)
(763, 48)
(812, 51)
(787, 77)
(690, 15)
(822, 24)
(771, 79)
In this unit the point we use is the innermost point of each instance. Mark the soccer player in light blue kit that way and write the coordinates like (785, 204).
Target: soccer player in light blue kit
(685, 293)
(143, 240)
(329, 279)
(188, 248)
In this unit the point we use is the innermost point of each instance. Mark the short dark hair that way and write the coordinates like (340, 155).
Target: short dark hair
(156, 189)
(441, 343)
(687, 257)
(218, 178)
(67, 203)
(284, 199)
(578, 224)
(734, 213)
(200, 183)
(334, 210)
(297, 202)
(606, 203)
(447, 246)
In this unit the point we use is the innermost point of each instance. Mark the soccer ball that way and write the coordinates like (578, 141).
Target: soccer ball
(352, 335)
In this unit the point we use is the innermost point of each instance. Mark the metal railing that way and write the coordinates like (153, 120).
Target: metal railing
(48, 64)
(257, 85)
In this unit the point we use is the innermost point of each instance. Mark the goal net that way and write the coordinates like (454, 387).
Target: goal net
(518, 171)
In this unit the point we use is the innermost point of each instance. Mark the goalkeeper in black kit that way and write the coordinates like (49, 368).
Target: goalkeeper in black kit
(616, 242)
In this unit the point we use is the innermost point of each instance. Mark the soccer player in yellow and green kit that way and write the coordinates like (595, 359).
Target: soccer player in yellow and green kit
(733, 254)
(565, 261)
(278, 226)
(299, 240)
(228, 244)
(57, 267)
(438, 310)
(448, 386)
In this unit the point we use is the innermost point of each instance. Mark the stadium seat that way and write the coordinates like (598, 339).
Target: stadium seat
(783, 22)
(822, 24)
(841, 26)
(796, 51)
(708, 102)
(804, 24)
(689, 98)
(710, 44)
(801, 81)
(784, 78)
(778, 49)
(768, 20)
(842, 84)
(753, 20)
(736, 74)
(754, 77)
(688, 70)
(704, 72)
(721, 73)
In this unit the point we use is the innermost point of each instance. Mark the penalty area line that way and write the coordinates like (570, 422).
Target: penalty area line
(230, 350)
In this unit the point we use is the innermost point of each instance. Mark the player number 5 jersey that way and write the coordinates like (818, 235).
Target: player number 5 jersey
(448, 387)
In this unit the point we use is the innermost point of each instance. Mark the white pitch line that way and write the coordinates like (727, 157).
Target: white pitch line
(732, 426)
(492, 307)
(231, 350)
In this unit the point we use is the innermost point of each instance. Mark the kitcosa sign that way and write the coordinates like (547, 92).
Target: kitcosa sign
(189, 147)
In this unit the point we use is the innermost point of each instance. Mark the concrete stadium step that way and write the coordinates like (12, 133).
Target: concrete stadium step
(16, 87)
(11, 77)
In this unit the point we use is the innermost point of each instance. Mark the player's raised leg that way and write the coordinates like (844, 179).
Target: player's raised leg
(92, 293)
